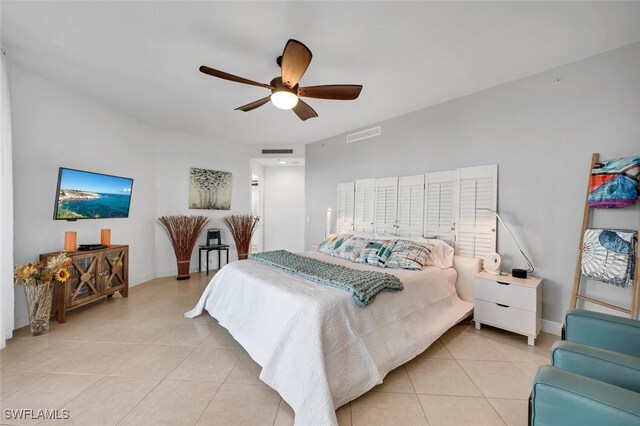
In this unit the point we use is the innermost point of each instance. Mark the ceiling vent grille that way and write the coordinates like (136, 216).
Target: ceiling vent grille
(364, 134)
(277, 151)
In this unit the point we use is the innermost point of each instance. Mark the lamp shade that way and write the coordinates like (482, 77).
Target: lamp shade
(284, 99)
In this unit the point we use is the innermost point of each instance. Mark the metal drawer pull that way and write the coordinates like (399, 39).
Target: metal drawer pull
(500, 282)
(504, 306)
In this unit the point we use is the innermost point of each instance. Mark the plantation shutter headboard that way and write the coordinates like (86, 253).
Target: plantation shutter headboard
(344, 214)
(476, 229)
(386, 205)
(364, 205)
(455, 206)
(439, 213)
(410, 206)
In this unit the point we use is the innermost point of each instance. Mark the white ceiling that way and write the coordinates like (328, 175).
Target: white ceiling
(143, 57)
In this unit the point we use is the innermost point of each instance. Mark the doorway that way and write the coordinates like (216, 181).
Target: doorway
(257, 210)
(277, 196)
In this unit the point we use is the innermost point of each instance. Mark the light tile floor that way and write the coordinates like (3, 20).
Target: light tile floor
(138, 361)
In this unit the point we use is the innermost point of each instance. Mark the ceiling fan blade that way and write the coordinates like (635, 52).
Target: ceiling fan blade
(295, 61)
(304, 111)
(254, 104)
(226, 76)
(341, 92)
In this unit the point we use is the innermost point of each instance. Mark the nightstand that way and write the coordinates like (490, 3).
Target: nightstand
(513, 304)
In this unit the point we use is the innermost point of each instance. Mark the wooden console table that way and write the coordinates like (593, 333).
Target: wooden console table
(94, 274)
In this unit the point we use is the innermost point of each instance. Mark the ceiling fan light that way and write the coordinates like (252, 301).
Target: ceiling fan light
(284, 99)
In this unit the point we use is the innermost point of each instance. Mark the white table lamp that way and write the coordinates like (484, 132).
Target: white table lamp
(518, 273)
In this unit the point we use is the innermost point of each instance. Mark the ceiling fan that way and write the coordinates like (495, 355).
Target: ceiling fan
(285, 90)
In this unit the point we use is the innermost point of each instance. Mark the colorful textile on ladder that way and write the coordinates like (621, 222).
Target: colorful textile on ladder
(614, 183)
(608, 255)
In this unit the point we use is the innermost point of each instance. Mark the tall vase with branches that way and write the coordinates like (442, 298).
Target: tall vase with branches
(242, 227)
(183, 232)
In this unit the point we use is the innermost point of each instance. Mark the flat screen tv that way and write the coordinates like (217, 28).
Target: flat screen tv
(87, 195)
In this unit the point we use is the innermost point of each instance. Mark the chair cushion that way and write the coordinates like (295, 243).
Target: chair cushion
(563, 398)
(604, 331)
(606, 366)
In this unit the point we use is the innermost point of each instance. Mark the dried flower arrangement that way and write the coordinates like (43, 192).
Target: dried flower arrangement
(183, 232)
(37, 279)
(242, 227)
(39, 273)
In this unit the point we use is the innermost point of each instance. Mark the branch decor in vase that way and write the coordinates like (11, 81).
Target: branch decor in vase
(183, 232)
(38, 280)
(242, 227)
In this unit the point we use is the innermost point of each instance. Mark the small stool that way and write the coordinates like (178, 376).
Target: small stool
(214, 242)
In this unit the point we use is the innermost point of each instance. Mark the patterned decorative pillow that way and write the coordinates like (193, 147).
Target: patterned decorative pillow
(351, 248)
(331, 244)
(376, 252)
(409, 255)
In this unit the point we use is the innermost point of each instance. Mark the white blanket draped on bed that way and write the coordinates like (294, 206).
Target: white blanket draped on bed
(319, 349)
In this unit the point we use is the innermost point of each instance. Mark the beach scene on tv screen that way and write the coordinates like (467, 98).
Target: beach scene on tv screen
(85, 195)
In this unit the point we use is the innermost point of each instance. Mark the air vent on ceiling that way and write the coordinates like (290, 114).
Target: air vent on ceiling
(364, 134)
(277, 151)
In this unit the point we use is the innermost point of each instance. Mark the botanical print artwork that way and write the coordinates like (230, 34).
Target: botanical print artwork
(209, 189)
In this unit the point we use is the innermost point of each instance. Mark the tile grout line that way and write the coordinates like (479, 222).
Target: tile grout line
(75, 397)
(415, 392)
(220, 387)
(496, 410)
(208, 404)
(277, 411)
(105, 376)
(476, 385)
(510, 362)
(139, 402)
(161, 381)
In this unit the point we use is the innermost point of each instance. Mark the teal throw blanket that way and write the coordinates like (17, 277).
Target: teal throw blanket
(363, 285)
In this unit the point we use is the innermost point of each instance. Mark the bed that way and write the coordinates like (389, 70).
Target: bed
(315, 345)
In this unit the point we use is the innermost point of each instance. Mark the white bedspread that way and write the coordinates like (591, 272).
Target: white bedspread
(317, 348)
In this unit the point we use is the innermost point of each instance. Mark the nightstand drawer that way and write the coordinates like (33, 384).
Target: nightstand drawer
(505, 317)
(513, 295)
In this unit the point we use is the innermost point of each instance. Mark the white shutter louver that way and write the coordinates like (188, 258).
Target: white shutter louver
(457, 206)
(476, 228)
(344, 218)
(410, 206)
(439, 211)
(364, 205)
(386, 208)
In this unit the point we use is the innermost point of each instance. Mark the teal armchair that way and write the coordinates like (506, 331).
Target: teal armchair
(562, 398)
(595, 374)
(603, 331)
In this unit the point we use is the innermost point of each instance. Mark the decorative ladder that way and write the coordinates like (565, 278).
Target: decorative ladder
(586, 221)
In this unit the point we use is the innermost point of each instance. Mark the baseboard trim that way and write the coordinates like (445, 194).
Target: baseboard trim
(141, 279)
(173, 272)
(552, 327)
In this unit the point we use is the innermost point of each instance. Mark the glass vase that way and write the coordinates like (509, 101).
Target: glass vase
(39, 298)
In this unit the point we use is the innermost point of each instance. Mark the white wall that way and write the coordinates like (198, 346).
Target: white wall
(54, 126)
(284, 221)
(175, 154)
(541, 135)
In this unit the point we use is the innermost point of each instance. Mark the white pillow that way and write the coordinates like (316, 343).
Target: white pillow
(365, 235)
(441, 254)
